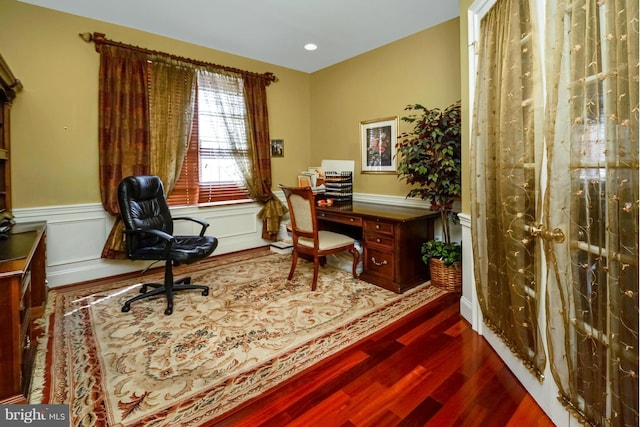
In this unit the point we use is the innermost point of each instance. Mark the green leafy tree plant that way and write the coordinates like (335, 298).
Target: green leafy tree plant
(428, 159)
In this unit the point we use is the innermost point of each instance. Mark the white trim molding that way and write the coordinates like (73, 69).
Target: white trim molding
(469, 308)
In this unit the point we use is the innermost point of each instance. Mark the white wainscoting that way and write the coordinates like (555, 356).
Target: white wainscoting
(76, 234)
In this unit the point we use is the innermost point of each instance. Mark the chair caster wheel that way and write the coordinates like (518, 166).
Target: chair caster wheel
(126, 308)
(205, 292)
(168, 311)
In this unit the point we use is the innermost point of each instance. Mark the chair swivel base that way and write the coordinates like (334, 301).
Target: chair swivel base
(160, 288)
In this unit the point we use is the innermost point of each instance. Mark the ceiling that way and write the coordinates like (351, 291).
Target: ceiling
(272, 31)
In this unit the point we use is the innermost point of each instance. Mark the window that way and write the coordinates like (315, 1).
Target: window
(211, 172)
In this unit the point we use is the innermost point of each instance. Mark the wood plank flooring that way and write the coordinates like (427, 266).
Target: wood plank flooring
(429, 369)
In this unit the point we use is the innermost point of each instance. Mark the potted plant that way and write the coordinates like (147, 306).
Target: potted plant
(429, 160)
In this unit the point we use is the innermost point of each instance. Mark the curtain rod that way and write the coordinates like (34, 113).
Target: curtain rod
(100, 38)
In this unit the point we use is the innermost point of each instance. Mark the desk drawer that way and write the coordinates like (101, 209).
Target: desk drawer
(379, 263)
(377, 226)
(381, 241)
(342, 219)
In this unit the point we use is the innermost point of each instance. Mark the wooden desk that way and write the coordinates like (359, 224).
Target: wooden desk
(391, 236)
(23, 293)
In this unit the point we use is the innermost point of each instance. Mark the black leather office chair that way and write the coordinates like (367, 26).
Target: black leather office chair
(149, 236)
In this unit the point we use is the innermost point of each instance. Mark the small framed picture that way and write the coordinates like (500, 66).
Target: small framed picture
(304, 181)
(277, 148)
(378, 139)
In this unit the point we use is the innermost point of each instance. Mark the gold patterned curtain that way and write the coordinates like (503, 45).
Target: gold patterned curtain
(165, 107)
(259, 179)
(242, 102)
(146, 115)
(172, 91)
(592, 195)
(506, 142)
(123, 133)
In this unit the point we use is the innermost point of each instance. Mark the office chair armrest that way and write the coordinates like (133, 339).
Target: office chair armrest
(168, 238)
(158, 233)
(204, 224)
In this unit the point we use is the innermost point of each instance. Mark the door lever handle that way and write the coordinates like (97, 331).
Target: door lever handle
(540, 230)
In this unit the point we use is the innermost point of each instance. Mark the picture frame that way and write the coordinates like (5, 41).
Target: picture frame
(304, 181)
(277, 148)
(378, 142)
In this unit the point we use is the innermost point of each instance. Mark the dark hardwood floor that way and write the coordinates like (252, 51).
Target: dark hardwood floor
(429, 369)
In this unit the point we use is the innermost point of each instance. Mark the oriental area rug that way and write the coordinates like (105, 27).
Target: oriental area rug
(253, 331)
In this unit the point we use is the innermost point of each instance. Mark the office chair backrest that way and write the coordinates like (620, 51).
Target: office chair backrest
(143, 206)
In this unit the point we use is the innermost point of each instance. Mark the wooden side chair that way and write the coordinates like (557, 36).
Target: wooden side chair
(307, 239)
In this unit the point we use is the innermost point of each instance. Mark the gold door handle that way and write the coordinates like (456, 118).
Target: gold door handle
(541, 231)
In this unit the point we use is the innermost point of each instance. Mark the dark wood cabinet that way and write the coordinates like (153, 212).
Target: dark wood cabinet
(5, 171)
(391, 236)
(9, 85)
(23, 293)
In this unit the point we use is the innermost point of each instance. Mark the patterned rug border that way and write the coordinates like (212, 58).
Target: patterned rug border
(248, 384)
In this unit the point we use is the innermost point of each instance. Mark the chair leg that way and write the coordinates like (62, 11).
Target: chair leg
(294, 262)
(143, 288)
(356, 258)
(168, 288)
(185, 283)
(316, 267)
(127, 305)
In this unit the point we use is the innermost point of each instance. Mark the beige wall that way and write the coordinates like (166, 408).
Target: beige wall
(54, 151)
(422, 68)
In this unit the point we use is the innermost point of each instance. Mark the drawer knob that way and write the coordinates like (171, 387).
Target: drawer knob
(377, 226)
(351, 219)
(378, 240)
(378, 263)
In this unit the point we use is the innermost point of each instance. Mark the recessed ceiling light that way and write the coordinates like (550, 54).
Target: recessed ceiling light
(310, 46)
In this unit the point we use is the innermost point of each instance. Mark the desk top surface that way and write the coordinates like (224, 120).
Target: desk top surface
(20, 243)
(377, 210)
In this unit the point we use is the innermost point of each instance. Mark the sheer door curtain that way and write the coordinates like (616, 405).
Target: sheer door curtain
(584, 134)
(507, 140)
(592, 193)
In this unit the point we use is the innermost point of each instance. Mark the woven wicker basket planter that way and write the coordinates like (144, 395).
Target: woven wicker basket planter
(445, 277)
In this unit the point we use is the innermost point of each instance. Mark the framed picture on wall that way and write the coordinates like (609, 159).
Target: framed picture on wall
(378, 140)
(277, 148)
